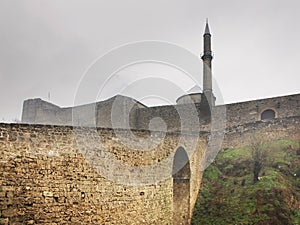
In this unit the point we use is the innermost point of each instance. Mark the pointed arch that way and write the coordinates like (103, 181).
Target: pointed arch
(181, 187)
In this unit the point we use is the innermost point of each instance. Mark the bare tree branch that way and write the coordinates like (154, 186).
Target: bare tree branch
(260, 155)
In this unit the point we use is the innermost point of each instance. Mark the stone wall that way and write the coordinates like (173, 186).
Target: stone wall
(128, 113)
(38, 111)
(61, 175)
(50, 175)
(248, 112)
(242, 135)
(186, 117)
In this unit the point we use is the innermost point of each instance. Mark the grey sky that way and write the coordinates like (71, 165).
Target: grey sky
(46, 45)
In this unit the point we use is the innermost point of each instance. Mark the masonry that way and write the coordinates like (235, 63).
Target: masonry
(47, 179)
(37, 111)
(245, 119)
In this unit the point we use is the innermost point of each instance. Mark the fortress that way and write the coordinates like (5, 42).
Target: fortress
(121, 162)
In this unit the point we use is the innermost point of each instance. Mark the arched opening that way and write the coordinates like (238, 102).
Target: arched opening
(268, 114)
(181, 187)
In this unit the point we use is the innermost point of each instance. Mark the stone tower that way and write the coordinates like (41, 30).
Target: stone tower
(207, 57)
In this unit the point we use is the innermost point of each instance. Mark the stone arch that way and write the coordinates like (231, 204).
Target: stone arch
(181, 187)
(268, 113)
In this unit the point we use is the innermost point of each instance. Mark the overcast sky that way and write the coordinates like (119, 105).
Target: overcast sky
(46, 46)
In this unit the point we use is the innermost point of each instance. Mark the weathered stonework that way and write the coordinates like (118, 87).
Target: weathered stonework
(46, 179)
(52, 175)
(37, 111)
(249, 112)
(240, 136)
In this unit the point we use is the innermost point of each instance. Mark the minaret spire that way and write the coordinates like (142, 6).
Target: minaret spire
(207, 67)
(206, 27)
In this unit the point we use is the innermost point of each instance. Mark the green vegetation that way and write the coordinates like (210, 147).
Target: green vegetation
(229, 195)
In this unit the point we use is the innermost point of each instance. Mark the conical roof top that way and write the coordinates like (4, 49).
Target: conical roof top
(207, 31)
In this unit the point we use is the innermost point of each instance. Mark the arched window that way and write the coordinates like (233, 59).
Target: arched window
(181, 187)
(268, 114)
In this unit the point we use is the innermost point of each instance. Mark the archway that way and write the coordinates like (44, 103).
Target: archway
(268, 114)
(181, 187)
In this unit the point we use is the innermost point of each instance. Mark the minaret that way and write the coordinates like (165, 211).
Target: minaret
(207, 71)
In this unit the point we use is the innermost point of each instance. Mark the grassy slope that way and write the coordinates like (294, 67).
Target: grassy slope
(228, 195)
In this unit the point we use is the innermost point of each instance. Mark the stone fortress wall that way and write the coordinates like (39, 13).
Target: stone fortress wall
(245, 119)
(126, 112)
(47, 178)
(37, 111)
(242, 135)
(251, 111)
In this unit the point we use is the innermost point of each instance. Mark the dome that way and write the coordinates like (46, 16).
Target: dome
(193, 96)
(195, 89)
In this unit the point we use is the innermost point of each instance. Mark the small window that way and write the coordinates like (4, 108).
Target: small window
(268, 114)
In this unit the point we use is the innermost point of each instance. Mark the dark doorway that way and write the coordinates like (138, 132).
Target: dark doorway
(181, 187)
(268, 114)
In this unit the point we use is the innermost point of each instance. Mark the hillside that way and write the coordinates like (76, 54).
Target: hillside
(230, 196)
